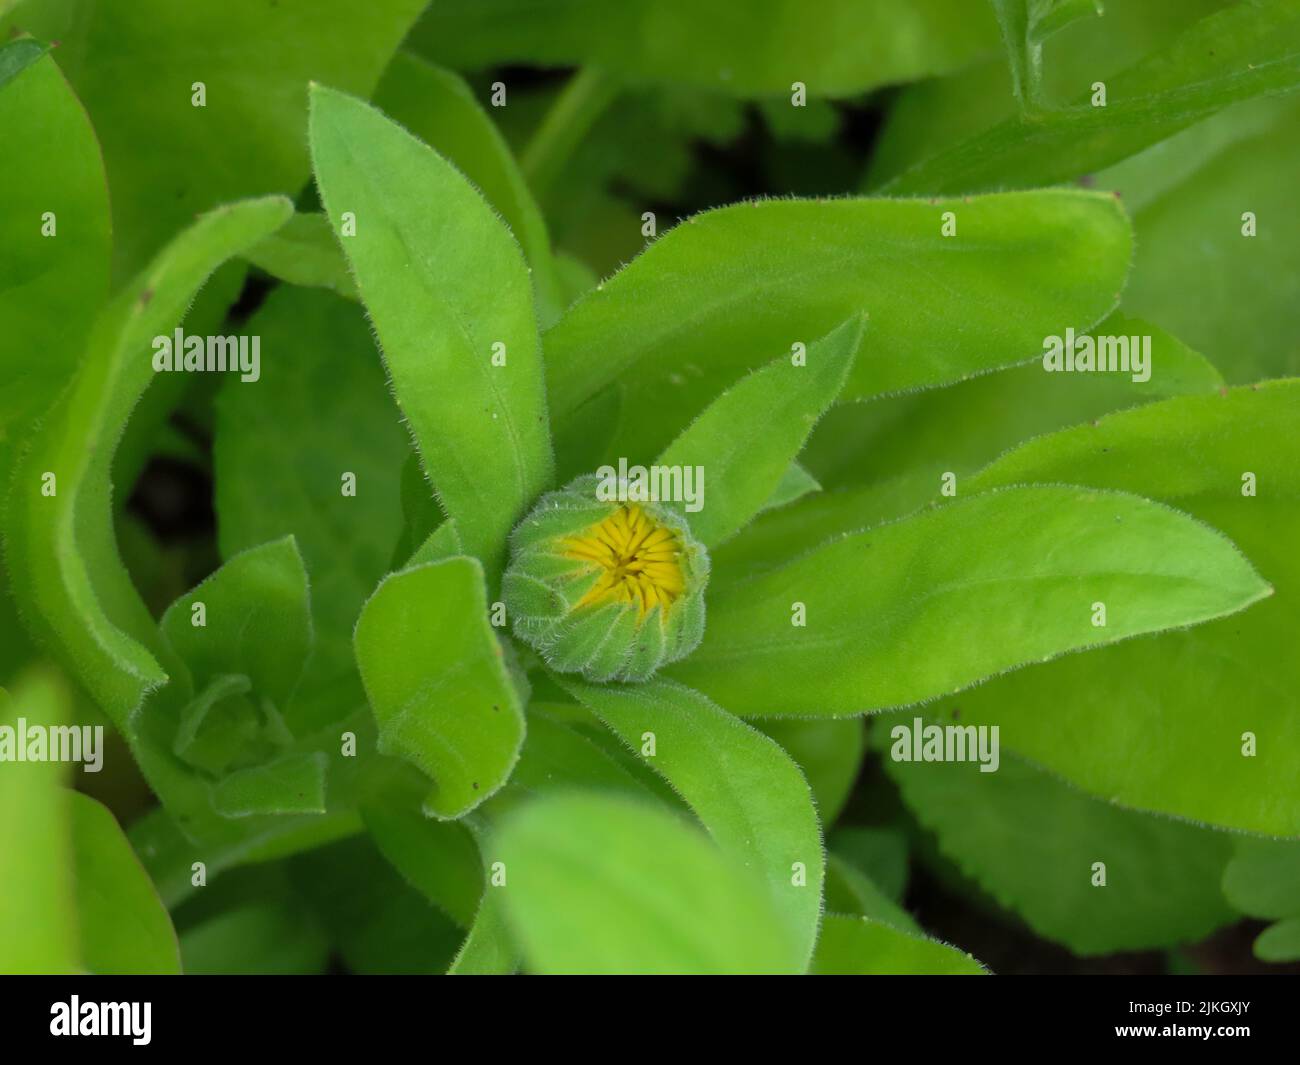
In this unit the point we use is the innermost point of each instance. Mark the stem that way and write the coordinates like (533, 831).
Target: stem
(586, 96)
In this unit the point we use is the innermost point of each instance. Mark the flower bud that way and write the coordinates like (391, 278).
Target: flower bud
(607, 589)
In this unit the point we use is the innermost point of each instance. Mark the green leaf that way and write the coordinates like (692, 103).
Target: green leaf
(745, 790)
(1244, 51)
(828, 752)
(1263, 880)
(256, 621)
(733, 288)
(747, 438)
(601, 886)
(376, 922)
(849, 47)
(274, 938)
(1202, 182)
(325, 373)
(1279, 942)
(294, 784)
(884, 459)
(1032, 842)
(1025, 25)
(1226, 679)
(38, 930)
(17, 56)
(123, 926)
(436, 678)
(889, 619)
(444, 282)
(795, 483)
(849, 891)
(304, 252)
(51, 281)
(60, 549)
(859, 946)
(438, 858)
(437, 106)
(135, 66)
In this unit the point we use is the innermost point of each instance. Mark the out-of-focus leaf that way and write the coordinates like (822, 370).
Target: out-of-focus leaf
(745, 790)
(376, 922)
(860, 946)
(1188, 197)
(829, 753)
(275, 938)
(795, 483)
(604, 885)
(1263, 880)
(294, 784)
(730, 289)
(123, 926)
(38, 921)
(746, 440)
(436, 678)
(1221, 681)
(451, 300)
(438, 858)
(882, 619)
(321, 371)
(135, 66)
(849, 47)
(55, 232)
(1244, 51)
(1033, 843)
(1026, 24)
(304, 252)
(849, 890)
(879, 853)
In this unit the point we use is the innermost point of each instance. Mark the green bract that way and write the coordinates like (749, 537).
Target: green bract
(606, 588)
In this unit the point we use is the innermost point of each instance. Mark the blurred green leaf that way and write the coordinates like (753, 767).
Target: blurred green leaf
(448, 291)
(859, 946)
(294, 784)
(745, 790)
(135, 66)
(304, 252)
(602, 885)
(730, 289)
(123, 925)
(828, 752)
(1263, 880)
(888, 621)
(55, 231)
(437, 681)
(1244, 51)
(321, 371)
(1189, 196)
(38, 921)
(1032, 842)
(850, 46)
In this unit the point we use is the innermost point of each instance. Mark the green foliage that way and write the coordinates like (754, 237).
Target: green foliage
(405, 706)
(443, 319)
(609, 886)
